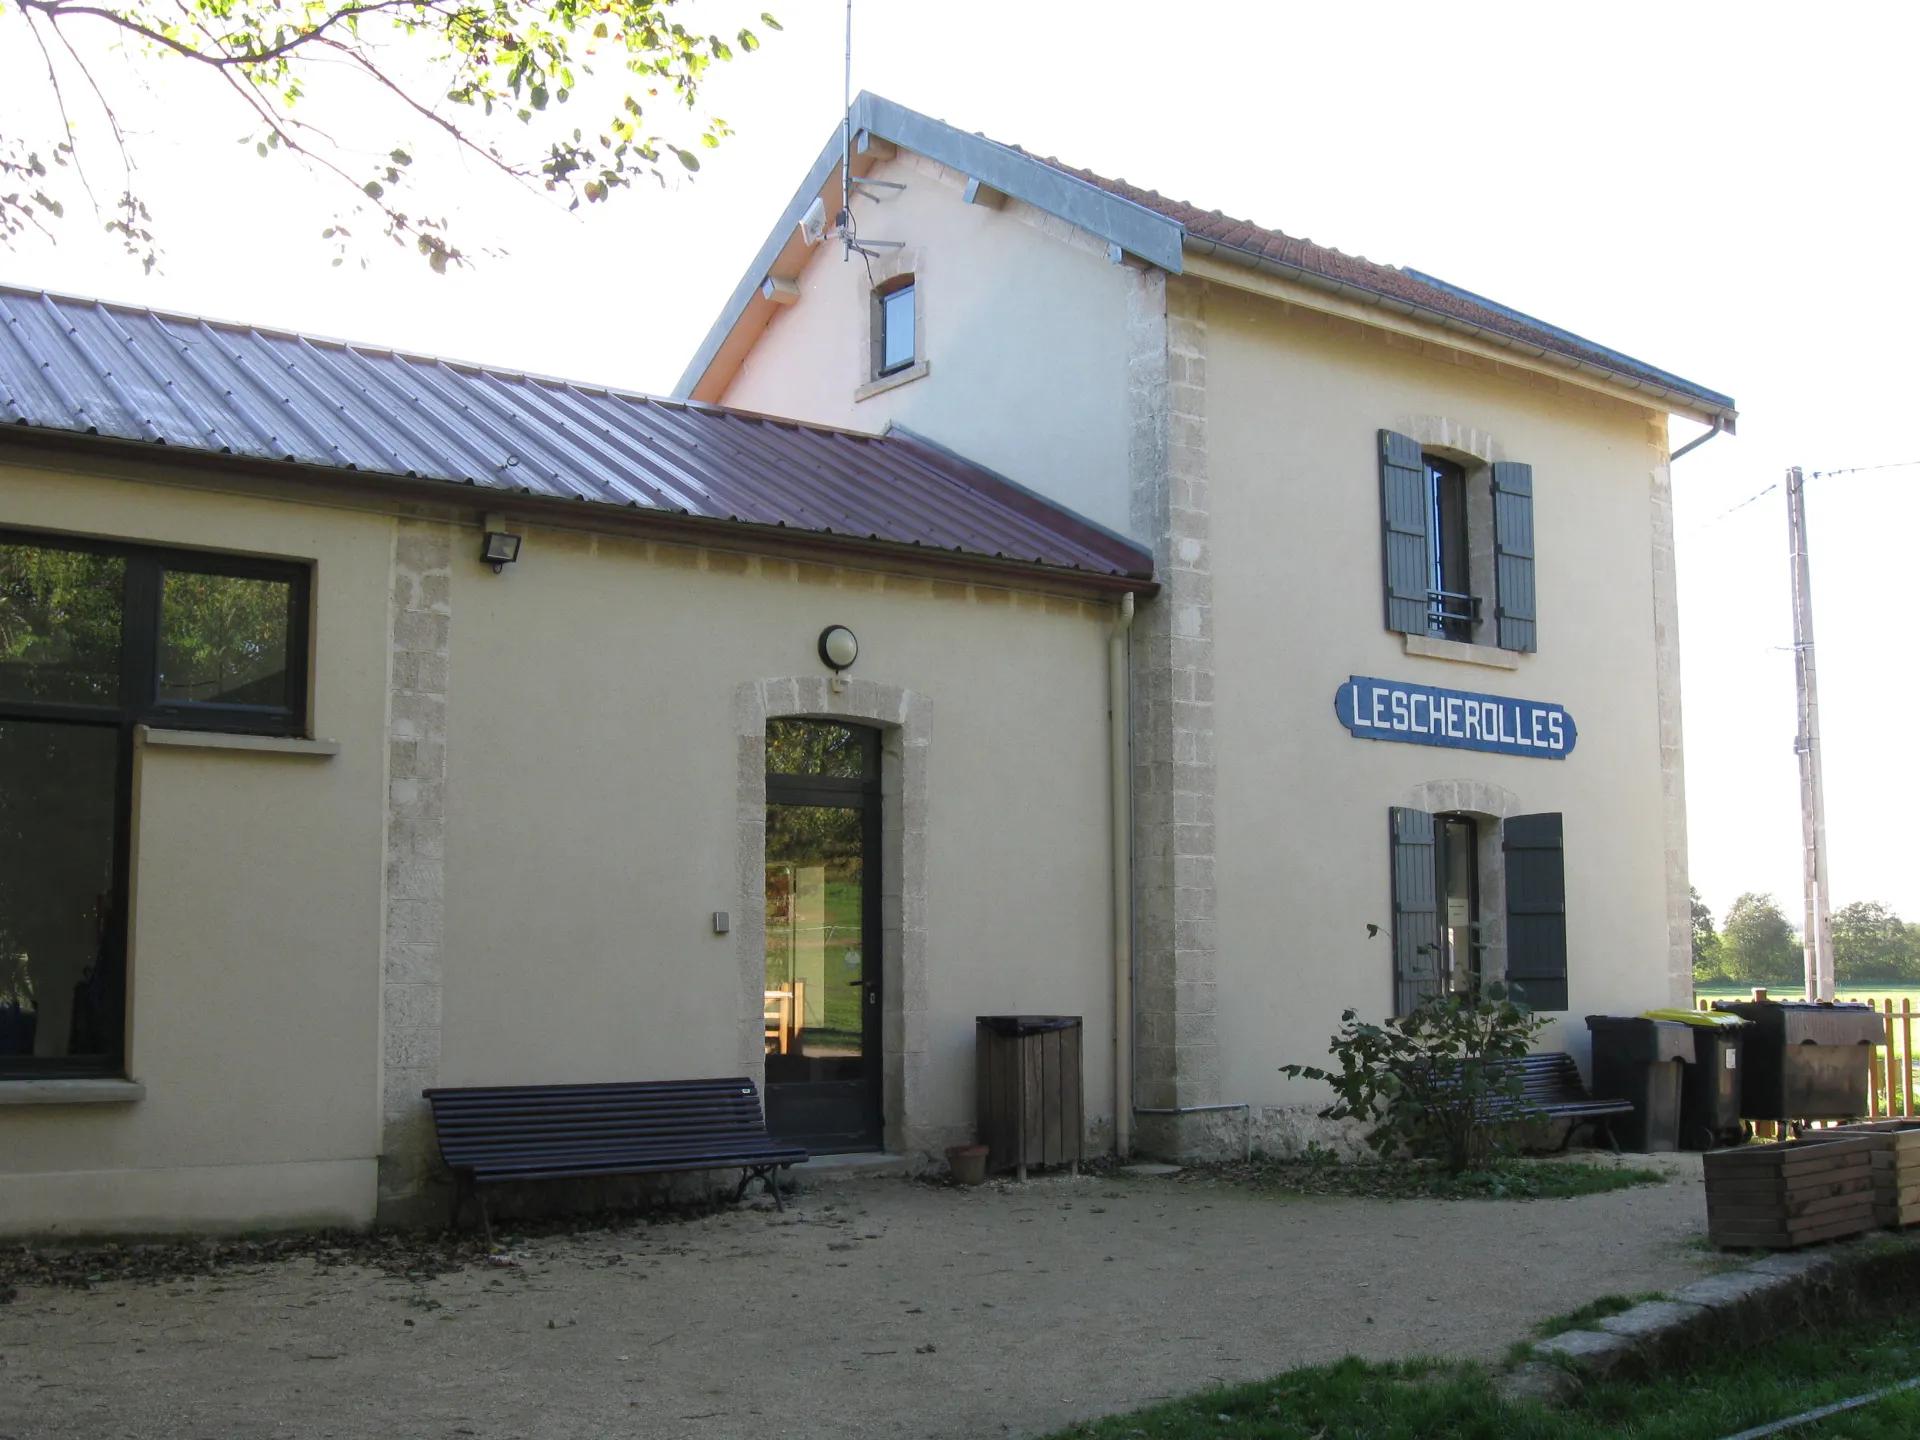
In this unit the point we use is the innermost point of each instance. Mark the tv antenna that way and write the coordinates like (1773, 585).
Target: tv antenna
(873, 189)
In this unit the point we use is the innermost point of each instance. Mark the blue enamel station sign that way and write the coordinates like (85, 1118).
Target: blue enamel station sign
(1459, 719)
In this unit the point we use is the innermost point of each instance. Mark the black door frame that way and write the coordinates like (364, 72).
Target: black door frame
(1476, 944)
(862, 794)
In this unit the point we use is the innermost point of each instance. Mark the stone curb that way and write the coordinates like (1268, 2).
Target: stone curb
(1559, 1362)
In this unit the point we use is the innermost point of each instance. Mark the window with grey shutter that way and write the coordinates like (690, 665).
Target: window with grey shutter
(1403, 520)
(1416, 911)
(1513, 555)
(1536, 911)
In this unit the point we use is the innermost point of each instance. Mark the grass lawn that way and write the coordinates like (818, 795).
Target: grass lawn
(1508, 1179)
(1747, 1385)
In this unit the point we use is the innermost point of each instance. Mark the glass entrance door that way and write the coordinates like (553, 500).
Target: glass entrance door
(822, 1012)
(1457, 855)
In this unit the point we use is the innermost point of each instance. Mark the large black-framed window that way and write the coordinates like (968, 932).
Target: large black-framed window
(97, 639)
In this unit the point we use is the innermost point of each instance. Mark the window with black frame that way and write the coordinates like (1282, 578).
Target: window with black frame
(94, 641)
(1452, 610)
(896, 332)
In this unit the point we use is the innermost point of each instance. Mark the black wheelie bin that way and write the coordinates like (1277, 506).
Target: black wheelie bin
(1640, 1060)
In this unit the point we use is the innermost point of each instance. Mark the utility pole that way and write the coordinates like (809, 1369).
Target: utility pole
(1806, 744)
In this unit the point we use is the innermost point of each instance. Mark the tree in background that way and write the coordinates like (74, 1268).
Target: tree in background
(1871, 943)
(1709, 958)
(1758, 945)
(483, 79)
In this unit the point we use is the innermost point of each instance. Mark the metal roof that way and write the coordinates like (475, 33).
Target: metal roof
(117, 371)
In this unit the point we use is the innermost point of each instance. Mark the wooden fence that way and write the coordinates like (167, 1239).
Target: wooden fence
(1891, 1065)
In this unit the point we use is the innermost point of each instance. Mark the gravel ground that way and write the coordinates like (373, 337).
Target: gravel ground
(870, 1308)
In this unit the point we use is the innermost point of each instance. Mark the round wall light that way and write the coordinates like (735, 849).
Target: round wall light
(838, 648)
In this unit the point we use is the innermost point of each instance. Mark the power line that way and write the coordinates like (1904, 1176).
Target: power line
(1811, 475)
(1861, 469)
(1708, 525)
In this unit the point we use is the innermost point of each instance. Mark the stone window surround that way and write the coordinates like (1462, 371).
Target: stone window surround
(871, 280)
(1474, 450)
(82, 1090)
(232, 740)
(1486, 804)
(904, 719)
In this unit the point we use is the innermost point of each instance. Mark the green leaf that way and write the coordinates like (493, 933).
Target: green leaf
(374, 189)
(687, 158)
(768, 21)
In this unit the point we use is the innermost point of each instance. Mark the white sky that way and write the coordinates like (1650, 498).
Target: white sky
(1724, 190)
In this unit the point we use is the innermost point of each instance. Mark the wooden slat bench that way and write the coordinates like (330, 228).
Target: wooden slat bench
(553, 1132)
(1550, 1089)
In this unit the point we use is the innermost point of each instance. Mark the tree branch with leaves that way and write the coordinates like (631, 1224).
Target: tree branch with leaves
(492, 78)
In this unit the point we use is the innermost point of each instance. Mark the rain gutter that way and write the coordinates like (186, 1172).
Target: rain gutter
(196, 467)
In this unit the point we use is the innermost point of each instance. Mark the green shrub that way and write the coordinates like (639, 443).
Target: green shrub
(1432, 1083)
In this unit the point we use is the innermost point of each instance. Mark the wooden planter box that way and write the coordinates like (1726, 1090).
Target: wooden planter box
(1797, 1193)
(1896, 1168)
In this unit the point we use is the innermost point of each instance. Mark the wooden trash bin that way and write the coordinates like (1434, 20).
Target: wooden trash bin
(1030, 1110)
(1896, 1168)
(1796, 1193)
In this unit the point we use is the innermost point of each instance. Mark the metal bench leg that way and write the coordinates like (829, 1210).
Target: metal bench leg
(747, 1172)
(773, 1184)
(486, 1221)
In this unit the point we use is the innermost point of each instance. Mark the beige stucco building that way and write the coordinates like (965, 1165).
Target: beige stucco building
(449, 826)
(1295, 634)
(1347, 472)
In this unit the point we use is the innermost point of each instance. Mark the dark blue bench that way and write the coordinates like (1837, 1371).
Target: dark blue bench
(555, 1132)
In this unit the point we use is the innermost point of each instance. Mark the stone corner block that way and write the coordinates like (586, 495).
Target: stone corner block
(1651, 1318)
(1730, 1288)
(1792, 1266)
(1586, 1347)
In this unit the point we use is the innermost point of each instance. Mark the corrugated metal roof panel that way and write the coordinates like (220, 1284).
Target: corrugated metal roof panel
(87, 367)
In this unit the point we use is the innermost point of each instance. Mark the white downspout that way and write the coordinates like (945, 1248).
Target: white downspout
(1121, 760)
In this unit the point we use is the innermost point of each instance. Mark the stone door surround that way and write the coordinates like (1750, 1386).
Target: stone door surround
(904, 720)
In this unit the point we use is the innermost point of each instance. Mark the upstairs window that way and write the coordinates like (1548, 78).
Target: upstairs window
(896, 338)
(1453, 539)
(1453, 610)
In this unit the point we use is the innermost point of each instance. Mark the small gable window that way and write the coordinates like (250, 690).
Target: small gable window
(896, 342)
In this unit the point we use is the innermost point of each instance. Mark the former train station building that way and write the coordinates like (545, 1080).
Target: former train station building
(1062, 600)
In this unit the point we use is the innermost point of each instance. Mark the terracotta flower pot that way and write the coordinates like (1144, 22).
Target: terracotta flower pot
(968, 1163)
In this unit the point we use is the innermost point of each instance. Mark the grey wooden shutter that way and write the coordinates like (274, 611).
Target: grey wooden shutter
(1513, 555)
(1403, 519)
(1536, 911)
(1416, 911)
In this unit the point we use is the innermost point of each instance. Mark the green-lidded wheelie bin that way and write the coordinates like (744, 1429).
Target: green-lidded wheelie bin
(1641, 1060)
(1710, 1087)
